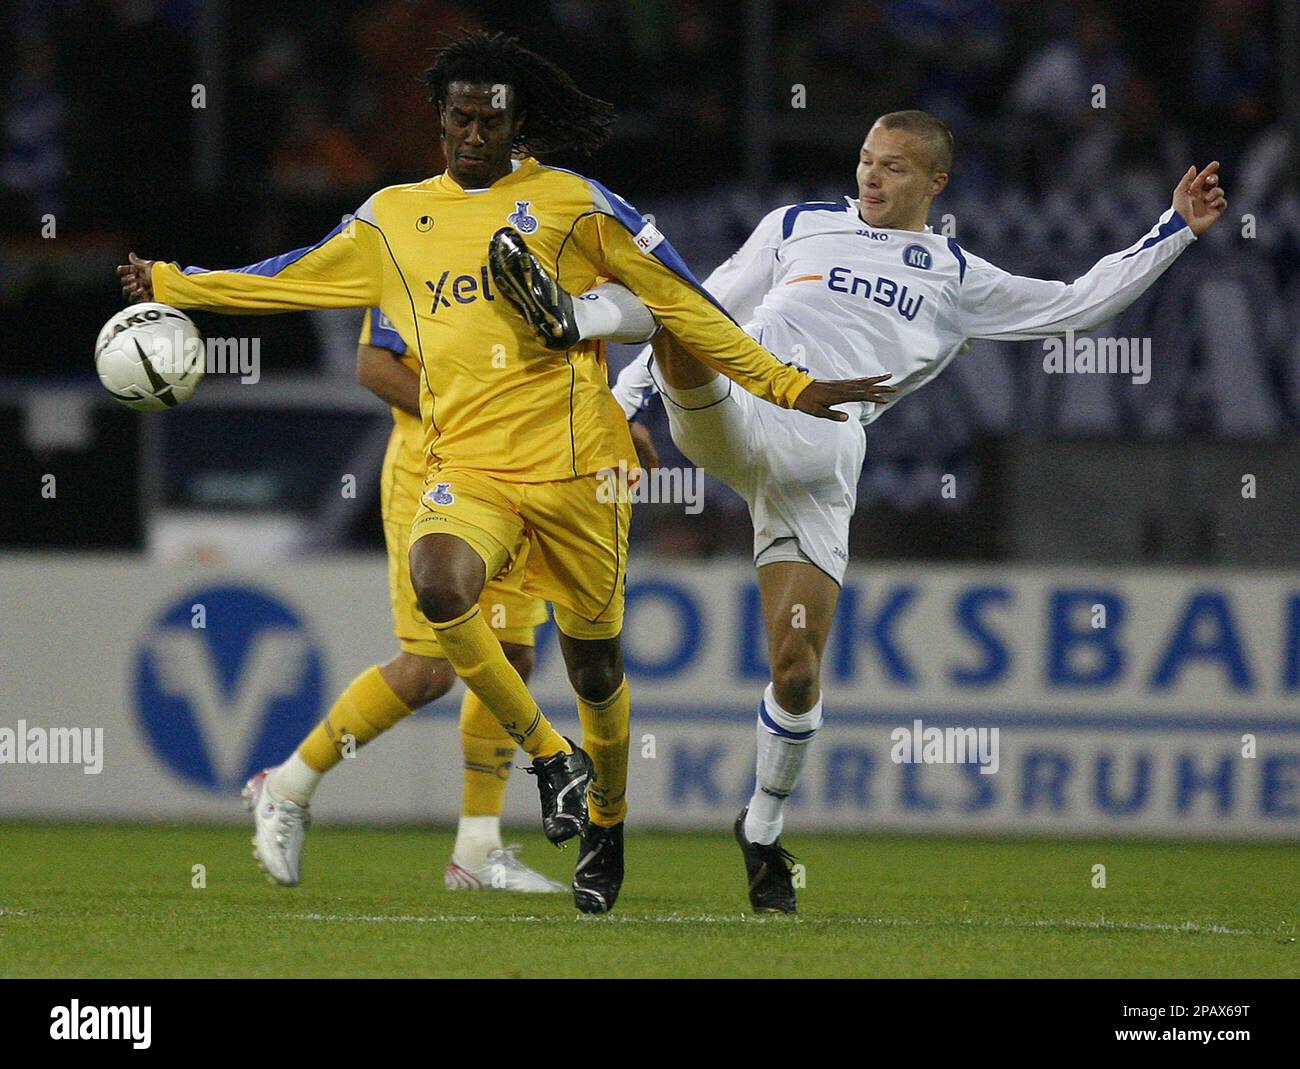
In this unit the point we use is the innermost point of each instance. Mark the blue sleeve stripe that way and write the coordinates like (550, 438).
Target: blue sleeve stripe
(961, 260)
(663, 252)
(382, 334)
(1167, 229)
(795, 210)
(275, 264)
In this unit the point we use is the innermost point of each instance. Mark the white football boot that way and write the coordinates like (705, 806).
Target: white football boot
(279, 828)
(502, 871)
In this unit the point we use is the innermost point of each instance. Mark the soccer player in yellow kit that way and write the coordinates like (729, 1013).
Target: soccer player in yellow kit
(516, 435)
(383, 695)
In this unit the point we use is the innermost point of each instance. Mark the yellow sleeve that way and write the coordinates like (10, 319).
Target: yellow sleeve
(343, 270)
(682, 306)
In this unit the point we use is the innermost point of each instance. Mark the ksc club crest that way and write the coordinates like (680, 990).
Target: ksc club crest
(227, 682)
(520, 219)
(917, 256)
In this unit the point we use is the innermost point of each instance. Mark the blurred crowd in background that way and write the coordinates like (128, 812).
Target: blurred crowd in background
(219, 133)
(320, 101)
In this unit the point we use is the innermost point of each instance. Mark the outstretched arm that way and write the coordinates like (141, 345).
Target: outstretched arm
(342, 270)
(1000, 305)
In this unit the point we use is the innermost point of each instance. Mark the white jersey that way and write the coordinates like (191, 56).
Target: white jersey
(820, 288)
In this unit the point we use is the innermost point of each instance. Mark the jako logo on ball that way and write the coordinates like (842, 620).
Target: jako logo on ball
(222, 701)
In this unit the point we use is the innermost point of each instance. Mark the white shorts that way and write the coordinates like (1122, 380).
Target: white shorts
(798, 474)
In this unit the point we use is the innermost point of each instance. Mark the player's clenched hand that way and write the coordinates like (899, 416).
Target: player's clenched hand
(646, 453)
(1199, 198)
(137, 279)
(818, 398)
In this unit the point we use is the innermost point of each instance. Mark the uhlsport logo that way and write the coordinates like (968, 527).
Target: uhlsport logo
(227, 682)
(520, 219)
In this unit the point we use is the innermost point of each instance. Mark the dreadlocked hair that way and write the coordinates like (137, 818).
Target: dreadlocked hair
(558, 115)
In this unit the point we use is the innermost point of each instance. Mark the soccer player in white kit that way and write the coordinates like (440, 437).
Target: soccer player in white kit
(855, 289)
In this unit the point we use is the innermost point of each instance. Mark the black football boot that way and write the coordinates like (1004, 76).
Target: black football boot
(528, 286)
(562, 781)
(767, 867)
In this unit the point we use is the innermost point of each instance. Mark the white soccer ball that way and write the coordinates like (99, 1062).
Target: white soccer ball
(150, 356)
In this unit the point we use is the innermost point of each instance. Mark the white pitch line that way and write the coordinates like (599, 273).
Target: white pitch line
(1187, 927)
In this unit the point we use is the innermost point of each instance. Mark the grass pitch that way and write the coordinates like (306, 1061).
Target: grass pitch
(118, 901)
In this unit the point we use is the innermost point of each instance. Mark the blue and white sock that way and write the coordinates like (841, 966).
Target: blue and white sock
(783, 740)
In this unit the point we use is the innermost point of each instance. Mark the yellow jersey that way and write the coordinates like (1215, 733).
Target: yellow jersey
(493, 398)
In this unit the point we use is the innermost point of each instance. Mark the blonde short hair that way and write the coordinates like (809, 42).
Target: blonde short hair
(937, 136)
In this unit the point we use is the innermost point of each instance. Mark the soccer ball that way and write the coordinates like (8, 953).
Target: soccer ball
(150, 356)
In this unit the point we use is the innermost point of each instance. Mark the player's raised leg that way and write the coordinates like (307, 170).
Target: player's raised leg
(610, 311)
(798, 609)
(677, 368)
(448, 573)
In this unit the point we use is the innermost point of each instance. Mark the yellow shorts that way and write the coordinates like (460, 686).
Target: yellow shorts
(569, 536)
(512, 614)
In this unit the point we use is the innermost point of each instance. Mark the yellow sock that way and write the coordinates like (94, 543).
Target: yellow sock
(605, 738)
(476, 654)
(365, 710)
(488, 751)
